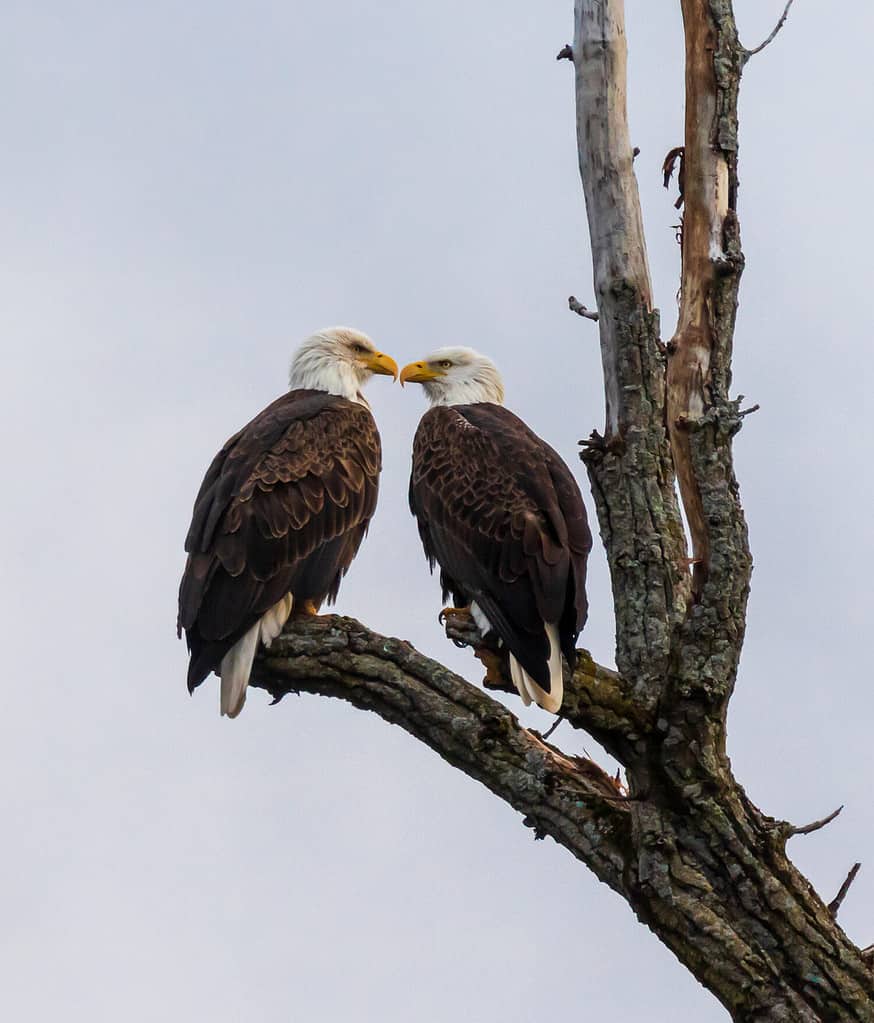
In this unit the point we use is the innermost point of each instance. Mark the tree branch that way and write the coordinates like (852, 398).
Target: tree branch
(773, 35)
(702, 419)
(577, 307)
(809, 829)
(836, 902)
(631, 472)
(612, 200)
(567, 798)
(709, 194)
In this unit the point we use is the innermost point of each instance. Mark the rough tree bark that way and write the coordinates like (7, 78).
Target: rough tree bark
(701, 866)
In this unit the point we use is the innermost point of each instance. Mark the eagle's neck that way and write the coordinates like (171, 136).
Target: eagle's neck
(468, 391)
(322, 371)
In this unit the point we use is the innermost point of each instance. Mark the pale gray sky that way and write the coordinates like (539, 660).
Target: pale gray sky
(189, 189)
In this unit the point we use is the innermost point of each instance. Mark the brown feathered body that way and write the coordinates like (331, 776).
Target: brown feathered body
(502, 515)
(282, 511)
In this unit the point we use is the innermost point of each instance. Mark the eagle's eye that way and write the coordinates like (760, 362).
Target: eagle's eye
(358, 349)
(444, 363)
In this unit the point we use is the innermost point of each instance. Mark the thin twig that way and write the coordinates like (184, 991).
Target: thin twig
(808, 829)
(553, 727)
(777, 28)
(835, 904)
(738, 401)
(578, 308)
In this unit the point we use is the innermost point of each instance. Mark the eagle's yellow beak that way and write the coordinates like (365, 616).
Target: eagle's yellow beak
(418, 373)
(384, 365)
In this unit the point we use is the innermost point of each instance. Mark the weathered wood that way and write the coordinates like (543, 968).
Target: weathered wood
(612, 201)
(712, 263)
(702, 417)
(630, 468)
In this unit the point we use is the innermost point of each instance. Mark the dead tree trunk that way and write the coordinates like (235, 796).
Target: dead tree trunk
(701, 866)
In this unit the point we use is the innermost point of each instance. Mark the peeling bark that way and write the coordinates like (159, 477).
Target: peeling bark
(696, 861)
(712, 262)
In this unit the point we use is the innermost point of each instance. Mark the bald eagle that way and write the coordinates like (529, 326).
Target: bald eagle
(282, 511)
(502, 515)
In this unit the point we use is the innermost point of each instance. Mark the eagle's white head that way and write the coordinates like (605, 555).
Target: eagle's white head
(339, 360)
(456, 376)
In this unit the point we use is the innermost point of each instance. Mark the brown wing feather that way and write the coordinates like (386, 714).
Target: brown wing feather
(283, 508)
(502, 515)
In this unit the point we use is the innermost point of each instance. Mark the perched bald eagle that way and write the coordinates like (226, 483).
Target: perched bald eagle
(502, 515)
(282, 511)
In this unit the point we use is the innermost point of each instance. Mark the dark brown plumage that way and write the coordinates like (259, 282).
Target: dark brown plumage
(283, 509)
(500, 512)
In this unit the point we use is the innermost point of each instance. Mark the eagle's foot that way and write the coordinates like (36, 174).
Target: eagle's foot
(305, 609)
(460, 626)
(454, 612)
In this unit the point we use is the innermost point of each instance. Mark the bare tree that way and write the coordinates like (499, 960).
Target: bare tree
(697, 862)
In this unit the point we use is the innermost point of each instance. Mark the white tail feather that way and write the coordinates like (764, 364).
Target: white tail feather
(520, 680)
(529, 690)
(274, 620)
(235, 669)
(236, 666)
